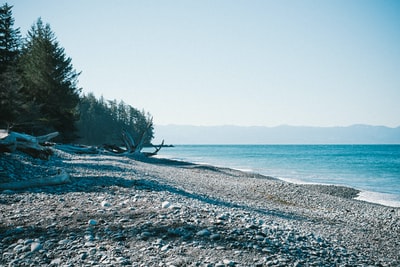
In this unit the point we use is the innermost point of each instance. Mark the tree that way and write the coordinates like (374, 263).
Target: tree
(11, 103)
(50, 80)
(103, 121)
(10, 38)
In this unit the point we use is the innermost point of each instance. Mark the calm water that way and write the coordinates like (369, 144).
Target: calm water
(371, 168)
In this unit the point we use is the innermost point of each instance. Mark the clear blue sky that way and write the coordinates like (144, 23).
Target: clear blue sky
(265, 63)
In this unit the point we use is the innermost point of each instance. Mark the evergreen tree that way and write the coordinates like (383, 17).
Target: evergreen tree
(10, 38)
(11, 103)
(101, 122)
(50, 80)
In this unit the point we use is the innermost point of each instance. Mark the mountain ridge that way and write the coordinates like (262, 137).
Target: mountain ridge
(282, 134)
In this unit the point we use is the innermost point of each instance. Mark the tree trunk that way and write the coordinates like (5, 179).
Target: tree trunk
(62, 178)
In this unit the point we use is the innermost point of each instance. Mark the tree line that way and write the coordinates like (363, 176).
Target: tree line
(39, 91)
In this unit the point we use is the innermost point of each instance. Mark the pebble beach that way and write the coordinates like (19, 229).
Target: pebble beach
(121, 211)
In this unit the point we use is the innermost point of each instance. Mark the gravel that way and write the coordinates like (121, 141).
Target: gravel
(118, 211)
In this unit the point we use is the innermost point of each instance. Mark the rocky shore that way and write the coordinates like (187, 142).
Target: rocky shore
(117, 211)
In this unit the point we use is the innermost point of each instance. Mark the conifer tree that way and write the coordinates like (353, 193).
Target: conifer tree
(49, 78)
(10, 40)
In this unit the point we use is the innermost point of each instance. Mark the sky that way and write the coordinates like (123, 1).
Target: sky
(246, 63)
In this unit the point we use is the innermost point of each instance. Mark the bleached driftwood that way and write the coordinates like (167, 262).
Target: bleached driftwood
(78, 149)
(26, 143)
(3, 133)
(136, 148)
(45, 138)
(128, 141)
(8, 143)
(158, 148)
(62, 178)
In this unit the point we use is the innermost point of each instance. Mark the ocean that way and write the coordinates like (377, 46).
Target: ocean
(373, 169)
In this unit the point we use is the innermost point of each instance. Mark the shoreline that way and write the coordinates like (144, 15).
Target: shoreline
(157, 212)
(374, 197)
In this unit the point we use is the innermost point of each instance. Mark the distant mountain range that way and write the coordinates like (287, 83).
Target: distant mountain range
(355, 134)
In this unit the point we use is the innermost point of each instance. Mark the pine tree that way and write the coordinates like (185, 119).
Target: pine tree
(11, 104)
(103, 121)
(49, 79)
(10, 38)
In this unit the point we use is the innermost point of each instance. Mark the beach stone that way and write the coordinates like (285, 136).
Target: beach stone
(36, 246)
(145, 235)
(105, 203)
(165, 204)
(228, 262)
(92, 222)
(55, 262)
(204, 232)
(175, 207)
(165, 248)
(252, 217)
(215, 236)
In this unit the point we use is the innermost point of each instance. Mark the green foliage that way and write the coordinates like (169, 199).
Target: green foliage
(10, 38)
(39, 92)
(101, 122)
(49, 79)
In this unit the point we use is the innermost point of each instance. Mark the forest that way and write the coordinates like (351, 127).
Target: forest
(39, 92)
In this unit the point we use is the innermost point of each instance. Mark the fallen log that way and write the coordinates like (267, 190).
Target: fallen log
(26, 143)
(78, 149)
(62, 178)
(8, 143)
(113, 149)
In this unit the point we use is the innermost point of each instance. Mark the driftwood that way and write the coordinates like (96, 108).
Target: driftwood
(128, 141)
(31, 145)
(113, 149)
(36, 145)
(62, 178)
(133, 147)
(78, 149)
(158, 148)
(8, 143)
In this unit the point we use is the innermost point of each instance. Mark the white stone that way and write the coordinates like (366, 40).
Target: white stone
(165, 248)
(36, 246)
(105, 203)
(165, 204)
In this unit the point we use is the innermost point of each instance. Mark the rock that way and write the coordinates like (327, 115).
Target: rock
(55, 262)
(228, 262)
(36, 246)
(92, 222)
(215, 236)
(105, 203)
(165, 248)
(165, 204)
(19, 248)
(204, 232)
(145, 235)
(89, 237)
